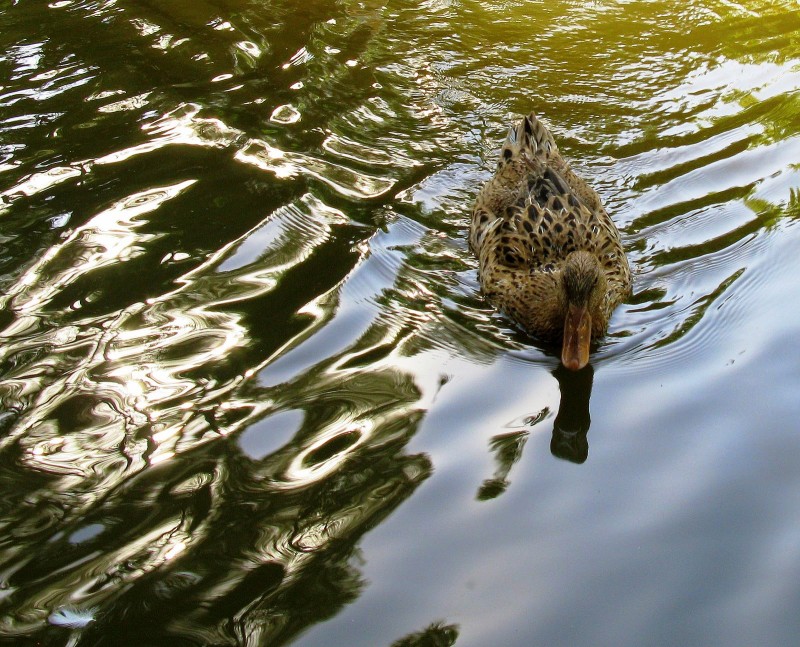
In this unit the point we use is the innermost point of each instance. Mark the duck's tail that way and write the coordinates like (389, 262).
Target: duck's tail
(531, 138)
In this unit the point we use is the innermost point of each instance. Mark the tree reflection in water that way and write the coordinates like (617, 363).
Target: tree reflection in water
(435, 635)
(231, 542)
(507, 449)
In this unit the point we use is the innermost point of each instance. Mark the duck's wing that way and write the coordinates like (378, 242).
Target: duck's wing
(559, 222)
(550, 174)
(536, 210)
(524, 160)
(541, 231)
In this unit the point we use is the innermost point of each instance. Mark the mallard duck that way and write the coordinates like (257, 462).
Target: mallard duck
(549, 255)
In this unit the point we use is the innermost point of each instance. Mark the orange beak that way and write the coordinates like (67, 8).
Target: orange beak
(577, 337)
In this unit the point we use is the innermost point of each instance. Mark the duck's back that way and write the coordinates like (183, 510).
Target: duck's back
(535, 210)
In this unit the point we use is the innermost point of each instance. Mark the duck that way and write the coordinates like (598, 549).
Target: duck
(549, 255)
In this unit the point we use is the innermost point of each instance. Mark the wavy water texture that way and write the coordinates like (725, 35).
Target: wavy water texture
(251, 394)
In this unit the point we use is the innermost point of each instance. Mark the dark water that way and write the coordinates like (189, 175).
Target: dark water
(252, 396)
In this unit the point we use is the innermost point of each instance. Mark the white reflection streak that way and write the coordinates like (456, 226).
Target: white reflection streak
(284, 164)
(302, 471)
(107, 238)
(182, 126)
(147, 553)
(40, 182)
(131, 103)
(179, 126)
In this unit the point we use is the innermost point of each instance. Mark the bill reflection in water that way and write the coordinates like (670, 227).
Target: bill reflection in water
(572, 422)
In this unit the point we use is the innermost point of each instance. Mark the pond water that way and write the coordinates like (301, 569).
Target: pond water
(251, 394)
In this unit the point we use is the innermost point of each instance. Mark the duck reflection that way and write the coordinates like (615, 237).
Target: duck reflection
(570, 429)
(572, 422)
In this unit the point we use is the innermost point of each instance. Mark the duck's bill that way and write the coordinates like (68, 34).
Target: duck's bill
(577, 338)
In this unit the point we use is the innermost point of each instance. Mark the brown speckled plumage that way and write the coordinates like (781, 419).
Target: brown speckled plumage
(527, 220)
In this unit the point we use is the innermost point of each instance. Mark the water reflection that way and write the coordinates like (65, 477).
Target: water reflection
(436, 635)
(236, 289)
(507, 450)
(571, 425)
(569, 436)
(286, 542)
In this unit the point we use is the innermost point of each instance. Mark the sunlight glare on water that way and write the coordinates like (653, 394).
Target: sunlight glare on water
(251, 393)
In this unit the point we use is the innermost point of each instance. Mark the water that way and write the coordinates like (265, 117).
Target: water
(251, 394)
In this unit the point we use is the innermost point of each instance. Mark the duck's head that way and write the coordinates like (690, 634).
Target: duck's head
(584, 285)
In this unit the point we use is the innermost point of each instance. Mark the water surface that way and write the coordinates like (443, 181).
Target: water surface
(251, 394)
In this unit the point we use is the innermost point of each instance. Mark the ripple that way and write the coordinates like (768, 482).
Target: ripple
(355, 151)
(722, 176)
(286, 238)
